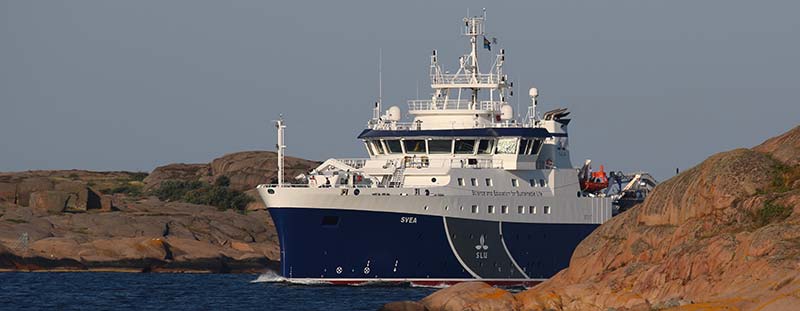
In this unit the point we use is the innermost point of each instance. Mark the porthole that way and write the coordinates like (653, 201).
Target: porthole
(433, 179)
(271, 191)
(356, 192)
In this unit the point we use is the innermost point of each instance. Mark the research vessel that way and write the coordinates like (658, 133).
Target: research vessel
(462, 190)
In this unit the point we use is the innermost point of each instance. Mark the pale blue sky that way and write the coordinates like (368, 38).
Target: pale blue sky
(129, 85)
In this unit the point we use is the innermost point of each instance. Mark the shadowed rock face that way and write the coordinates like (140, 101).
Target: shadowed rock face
(724, 235)
(62, 220)
(246, 170)
(148, 235)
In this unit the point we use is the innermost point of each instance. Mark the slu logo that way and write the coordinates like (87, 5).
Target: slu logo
(482, 248)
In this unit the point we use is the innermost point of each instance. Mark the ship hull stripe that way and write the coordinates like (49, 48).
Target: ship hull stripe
(455, 253)
(503, 241)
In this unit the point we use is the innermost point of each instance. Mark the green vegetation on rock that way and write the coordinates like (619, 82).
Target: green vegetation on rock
(198, 192)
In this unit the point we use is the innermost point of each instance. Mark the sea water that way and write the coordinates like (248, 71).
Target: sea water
(165, 291)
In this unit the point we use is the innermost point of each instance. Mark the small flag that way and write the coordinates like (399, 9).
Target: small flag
(487, 44)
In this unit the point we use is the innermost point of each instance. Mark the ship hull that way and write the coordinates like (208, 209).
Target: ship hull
(355, 247)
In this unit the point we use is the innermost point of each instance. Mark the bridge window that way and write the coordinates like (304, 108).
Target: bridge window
(504, 209)
(514, 182)
(547, 210)
(542, 183)
(440, 146)
(465, 146)
(414, 145)
(489, 182)
(506, 146)
(532, 209)
(461, 182)
(536, 146)
(532, 182)
(376, 147)
(393, 146)
(473, 182)
(369, 148)
(523, 146)
(491, 209)
(520, 209)
(485, 146)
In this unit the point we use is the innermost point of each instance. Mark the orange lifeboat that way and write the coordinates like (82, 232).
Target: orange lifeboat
(595, 182)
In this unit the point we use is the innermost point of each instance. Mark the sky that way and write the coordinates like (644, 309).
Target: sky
(131, 85)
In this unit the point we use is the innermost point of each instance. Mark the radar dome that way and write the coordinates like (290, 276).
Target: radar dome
(393, 114)
(533, 92)
(506, 112)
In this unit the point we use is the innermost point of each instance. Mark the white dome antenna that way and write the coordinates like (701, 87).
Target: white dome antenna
(506, 112)
(393, 113)
(532, 117)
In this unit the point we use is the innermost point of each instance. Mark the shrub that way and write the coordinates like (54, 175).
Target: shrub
(197, 192)
(130, 189)
(139, 176)
(772, 212)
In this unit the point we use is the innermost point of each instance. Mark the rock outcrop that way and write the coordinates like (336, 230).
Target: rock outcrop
(148, 235)
(245, 170)
(82, 220)
(724, 235)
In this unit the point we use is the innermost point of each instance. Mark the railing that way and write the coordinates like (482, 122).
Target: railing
(453, 104)
(476, 163)
(354, 162)
(463, 78)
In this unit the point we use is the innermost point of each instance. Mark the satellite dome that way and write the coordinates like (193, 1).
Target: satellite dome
(506, 112)
(533, 92)
(393, 114)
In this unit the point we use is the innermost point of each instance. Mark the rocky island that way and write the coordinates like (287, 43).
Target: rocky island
(724, 235)
(178, 218)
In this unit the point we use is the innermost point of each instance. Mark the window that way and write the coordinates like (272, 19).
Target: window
(393, 146)
(506, 146)
(376, 147)
(414, 145)
(330, 221)
(473, 182)
(514, 182)
(485, 146)
(465, 146)
(488, 182)
(520, 209)
(504, 209)
(532, 182)
(542, 183)
(440, 146)
(369, 148)
(547, 209)
(523, 146)
(532, 209)
(461, 182)
(491, 209)
(536, 146)
(474, 209)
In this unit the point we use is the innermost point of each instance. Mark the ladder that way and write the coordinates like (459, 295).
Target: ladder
(397, 177)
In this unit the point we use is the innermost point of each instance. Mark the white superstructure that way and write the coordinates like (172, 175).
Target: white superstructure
(461, 156)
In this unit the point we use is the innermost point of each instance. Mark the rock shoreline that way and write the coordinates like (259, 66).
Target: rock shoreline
(74, 220)
(724, 235)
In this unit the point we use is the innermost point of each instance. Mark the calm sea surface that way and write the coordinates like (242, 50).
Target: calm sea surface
(154, 291)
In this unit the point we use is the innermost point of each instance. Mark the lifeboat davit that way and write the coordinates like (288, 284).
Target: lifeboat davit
(595, 182)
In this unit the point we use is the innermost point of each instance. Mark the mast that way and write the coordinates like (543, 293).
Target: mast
(281, 126)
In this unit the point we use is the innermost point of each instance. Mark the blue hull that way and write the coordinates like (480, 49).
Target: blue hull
(347, 244)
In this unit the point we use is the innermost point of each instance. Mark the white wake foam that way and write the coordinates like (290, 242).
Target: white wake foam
(269, 277)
